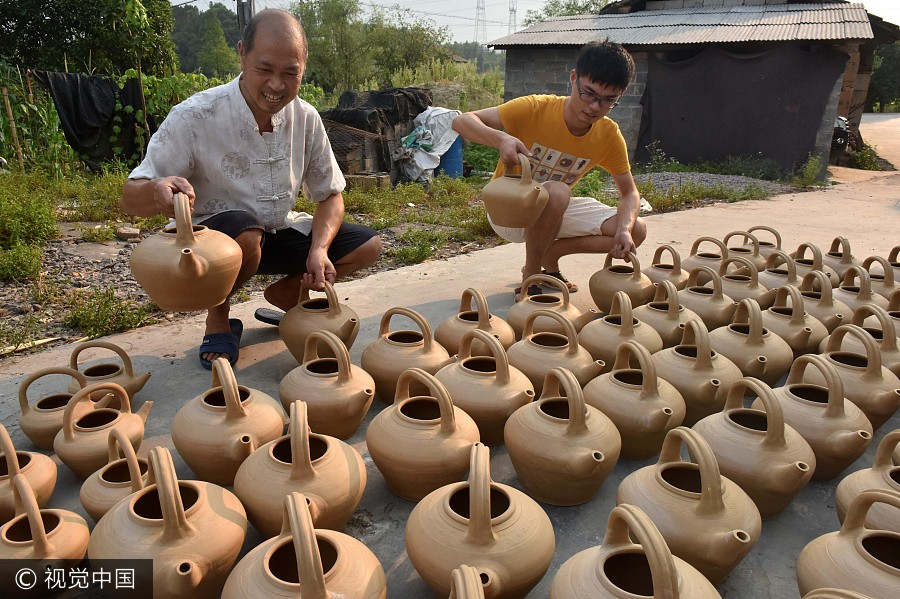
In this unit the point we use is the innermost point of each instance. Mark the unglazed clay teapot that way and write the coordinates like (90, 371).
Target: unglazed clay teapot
(819, 302)
(628, 278)
(855, 558)
(775, 275)
(82, 442)
(488, 525)
(318, 314)
(767, 247)
(38, 469)
(659, 271)
(885, 336)
(710, 259)
(467, 583)
(665, 314)
(192, 530)
(884, 283)
(215, 431)
(643, 406)
(621, 568)
(837, 431)
(867, 383)
(806, 265)
(40, 422)
(861, 294)
(742, 283)
(421, 442)
(770, 460)
(450, 332)
(515, 200)
(833, 594)
(328, 471)
(108, 372)
(187, 267)
(561, 448)
(839, 256)
(392, 353)
(119, 478)
(537, 353)
(792, 323)
(527, 304)
(337, 393)
(882, 475)
(701, 375)
(706, 519)
(753, 348)
(749, 250)
(486, 388)
(306, 562)
(712, 305)
(41, 534)
(603, 336)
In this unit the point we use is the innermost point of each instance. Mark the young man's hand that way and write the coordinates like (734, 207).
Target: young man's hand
(164, 190)
(510, 148)
(318, 270)
(622, 244)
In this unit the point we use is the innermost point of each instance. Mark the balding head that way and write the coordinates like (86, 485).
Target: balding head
(278, 25)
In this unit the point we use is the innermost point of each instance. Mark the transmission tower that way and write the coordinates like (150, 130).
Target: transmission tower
(480, 25)
(512, 17)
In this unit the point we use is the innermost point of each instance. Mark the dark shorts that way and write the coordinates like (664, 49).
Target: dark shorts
(284, 252)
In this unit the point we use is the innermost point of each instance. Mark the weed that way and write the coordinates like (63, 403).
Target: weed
(19, 262)
(99, 312)
(150, 223)
(690, 194)
(866, 158)
(482, 158)
(15, 333)
(44, 290)
(97, 233)
(595, 185)
(756, 166)
(26, 214)
(242, 295)
(809, 174)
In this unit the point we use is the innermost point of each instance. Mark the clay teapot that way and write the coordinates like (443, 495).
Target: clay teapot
(701, 375)
(780, 271)
(527, 304)
(302, 561)
(515, 200)
(628, 278)
(792, 323)
(561, 448)
(665, 314)
(820, 303)
(603, 336)
(328, 471)
(756, 449)
(41, 534)
(620, 567)
(882, 475)
(855, 558)
(537, 353)
(318, 314)
(192, 530)
(706, 519)
(467, 583)
(894, 259)
(867, 383)
(643, 406)
(757, 351)
(749, 250)
(837, 431)
(807, 265)
(713, 306)
(421, 442)
(108, 372)
(486, 388)
(187, 267)
(337, 393)
(742, 283)
(858, 295)
(215, 431)
(884, 283)
(450, 332)
(658, 271)
(766, 247)
(885, 336)
(710, 259)
(40, 422)
(491, 526)
(121, 477)
(839, 256)
(392, 353)
(38, 469)
(833, 594)
(81, 444)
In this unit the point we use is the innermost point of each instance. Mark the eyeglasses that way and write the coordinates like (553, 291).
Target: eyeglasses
(590, 97)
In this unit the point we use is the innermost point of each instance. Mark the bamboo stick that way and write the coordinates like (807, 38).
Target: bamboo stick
(30, 92)
(36, 343)
(12, 127)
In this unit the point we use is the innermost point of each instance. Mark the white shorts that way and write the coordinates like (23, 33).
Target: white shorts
(584, 216)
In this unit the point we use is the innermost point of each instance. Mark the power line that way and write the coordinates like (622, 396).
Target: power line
(434, 14)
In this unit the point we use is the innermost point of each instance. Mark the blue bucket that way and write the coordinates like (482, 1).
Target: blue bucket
(452, 161)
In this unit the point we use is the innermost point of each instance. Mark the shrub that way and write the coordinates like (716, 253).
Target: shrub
(866, 158)
(99, 312)
(809, 173)
(19, 262)
(26, 211)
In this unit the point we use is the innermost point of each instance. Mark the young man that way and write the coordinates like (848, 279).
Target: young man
(246, 148)
(564, 137)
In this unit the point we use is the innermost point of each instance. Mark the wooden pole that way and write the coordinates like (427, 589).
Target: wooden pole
(30, 92)
(12, 127)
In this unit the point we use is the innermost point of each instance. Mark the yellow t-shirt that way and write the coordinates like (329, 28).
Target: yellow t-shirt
(537, 121)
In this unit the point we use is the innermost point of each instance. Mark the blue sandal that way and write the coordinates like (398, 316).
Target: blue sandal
(223, 343)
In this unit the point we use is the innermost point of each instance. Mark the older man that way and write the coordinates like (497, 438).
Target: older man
(241, 153)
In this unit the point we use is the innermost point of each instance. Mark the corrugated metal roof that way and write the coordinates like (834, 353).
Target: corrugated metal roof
(778, 22)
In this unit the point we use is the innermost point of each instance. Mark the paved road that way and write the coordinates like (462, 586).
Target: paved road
(882, 131)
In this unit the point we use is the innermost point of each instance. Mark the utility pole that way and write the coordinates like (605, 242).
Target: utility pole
(512, 18)
(480, 25)
(245, 11)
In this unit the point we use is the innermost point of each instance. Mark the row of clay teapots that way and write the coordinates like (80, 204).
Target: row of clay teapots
(41, 420)
(450, 333)
(860, 294)
(633, 561)
(706, 519)
(643, 406)
(743, 283)
(885, 336)
(421, 442)
(603, 336)
(337, 393)
(186, 267)
(802, 332)
(121, 477)
(749, 251)
(665, 314)
(518, 312)
(490, 526)
(318, 314)
(659, 271)
(627, 278)
(806, 265)
(192, 530)
(303, 561)
(819, 302)
(108, 372)
(38, 469)
(767, 458)
(561, 448)
(856, 557)
(884, 283)
(82, 442)
(328, 471)
(709, 259)
(486, 388)
(712, 305)
(882, 475)
(215, 431)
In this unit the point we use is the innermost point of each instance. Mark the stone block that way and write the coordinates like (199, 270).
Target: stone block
(368, 181)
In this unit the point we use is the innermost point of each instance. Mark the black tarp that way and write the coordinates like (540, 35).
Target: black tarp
(377, 111)
(720, 103)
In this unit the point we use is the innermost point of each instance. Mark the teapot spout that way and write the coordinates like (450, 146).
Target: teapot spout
(596, 368)
(658, 419)
(185, 578)
(585, 462)
(145, 410)
(585, 318)
(785, 476)
(192, 266)
(242, 447)
(140, 381)
(727, 544)
(849, 442)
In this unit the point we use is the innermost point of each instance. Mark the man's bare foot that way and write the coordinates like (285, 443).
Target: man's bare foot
(283, 293)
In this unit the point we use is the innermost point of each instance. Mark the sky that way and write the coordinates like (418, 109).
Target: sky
(459, 16)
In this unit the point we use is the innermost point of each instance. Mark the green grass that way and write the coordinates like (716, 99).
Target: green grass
(26, 210)
(809, 175)
(482, 158)
(690, 194)
(101, 232)
(19, 262)
(99, 312)
(16, 333)
(866, 158)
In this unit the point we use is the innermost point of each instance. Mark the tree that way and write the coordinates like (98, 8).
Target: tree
(564, 8)
(399, 39)
(339, 57)
(215, 58)
(187, 36)
(485, 58)
(229, 22)
(885, 85)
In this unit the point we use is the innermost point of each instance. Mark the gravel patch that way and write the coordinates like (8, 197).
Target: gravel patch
(664, 181)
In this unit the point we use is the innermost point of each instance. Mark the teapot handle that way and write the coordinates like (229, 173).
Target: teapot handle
(31, 378)
(833, 383)
(825, 287)
(501, 361)
(184, 228)
(26, 503)
(895, 253)
(888, 330)
(751, 268)
(334, 306)
(894, 300)
(814, 250)
(626, 521)
(481, 306)
(466, 583)
(547, 280)
(749, 309)
(337, 347)
(865, 282)
(695, 333)
(297, 522)
(746, 235)
(632, 259)
(117, 438)
(563, 377)
(774, 414)
(873, 354)
(774, 233)
(885, 266)
(427, 335)
(175, 523)
(126, 361)
(846, 254)
(565, 323)
(624, 353)
(665, 291)
(480, 531)
(526, 169)
(777, 257)
(710, 479)
(437, 390)
(621, 305)
(9, 452)
(85, 395)
(223, 376)
(884, 453)
(676, 257)
(696, 245)
(797, 312)
(854, 521)
(715, 279)
(298, 429)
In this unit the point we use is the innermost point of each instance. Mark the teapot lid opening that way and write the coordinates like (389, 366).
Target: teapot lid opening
(752, 419)
(216, 398)
(98, 418)
(53, 402)
(684, 476)
(630, 572)
(20, 530)
(117, 472)
(147, 505)
(23, 459)
(99, 370)
(281, 451)
(481, 364)
(282, 562)
(459, 502)
(884, 548)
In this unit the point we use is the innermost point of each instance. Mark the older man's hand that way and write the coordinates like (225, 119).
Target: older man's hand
(164, 190)
(318, 270)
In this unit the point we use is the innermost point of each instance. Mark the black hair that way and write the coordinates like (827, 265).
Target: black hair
(249, 32)
(606, 63)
